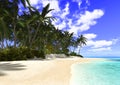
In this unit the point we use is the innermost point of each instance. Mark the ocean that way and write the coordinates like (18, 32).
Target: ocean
(106, 72)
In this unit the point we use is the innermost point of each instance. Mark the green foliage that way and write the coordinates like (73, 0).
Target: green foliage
(11, 54)
(75, 54)
(38, 54)
(42, 54)
(30, 31)
(21, 53)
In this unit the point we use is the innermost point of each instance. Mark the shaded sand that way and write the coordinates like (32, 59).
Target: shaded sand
(47, 72)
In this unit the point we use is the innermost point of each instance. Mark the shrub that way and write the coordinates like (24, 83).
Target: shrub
(42, 54)
(11, 54)
(75, 54)
(20, 53)
(25, 52)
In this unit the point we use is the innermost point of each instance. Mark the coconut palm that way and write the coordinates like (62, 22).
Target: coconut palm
(36, 27)
(8, 17)
(32, 29)
(81, 42)
(66, 41)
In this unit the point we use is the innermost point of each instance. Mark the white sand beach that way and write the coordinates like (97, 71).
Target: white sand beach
(39, 72)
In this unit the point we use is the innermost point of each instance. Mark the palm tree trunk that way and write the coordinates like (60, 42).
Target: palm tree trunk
(79, 50)
(29, 36)
(35, 35)
(15, 37)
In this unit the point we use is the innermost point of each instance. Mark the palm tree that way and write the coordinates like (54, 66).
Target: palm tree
(8, 17)
(81, 42)
(4, 34)
(32, 29)
(66, 41)
(36, 27)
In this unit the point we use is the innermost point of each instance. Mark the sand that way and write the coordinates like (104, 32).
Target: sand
(39, 72)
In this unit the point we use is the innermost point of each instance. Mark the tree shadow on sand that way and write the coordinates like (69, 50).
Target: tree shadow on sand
(10, 67)
(2, 74)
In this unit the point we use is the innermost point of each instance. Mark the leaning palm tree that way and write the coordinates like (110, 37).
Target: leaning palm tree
(81, 42)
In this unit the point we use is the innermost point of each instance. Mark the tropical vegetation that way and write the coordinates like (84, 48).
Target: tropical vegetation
(31, 34)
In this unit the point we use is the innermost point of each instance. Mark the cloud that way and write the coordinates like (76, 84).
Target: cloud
(54, 4)
(90, 36)
(34, 2)
(85, 21)
(89, 17)
(86, 2)
(77, 22)
(61, 17)
(57, 12)
(100, 46)
(61, 25)
(99, 43)
(101, 49)
(62, 13)
(65, 11)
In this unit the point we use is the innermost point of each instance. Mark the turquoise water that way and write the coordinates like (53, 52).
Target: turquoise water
(96, 73)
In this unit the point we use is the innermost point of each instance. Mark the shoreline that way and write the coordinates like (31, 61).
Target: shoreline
(38, 72)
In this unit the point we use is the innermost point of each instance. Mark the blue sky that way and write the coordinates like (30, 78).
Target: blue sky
(98, 20)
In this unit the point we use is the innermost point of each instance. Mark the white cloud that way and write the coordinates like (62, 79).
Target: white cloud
(54, 4)
(61, 22)
(86, 2)
(102, 43)
(99, 43)
(65, 11)
(61, 25)
(90, 36)
(82, 22)
(34, 2)
(101, 49)
(78, 22)
(89, 17)
(85, 21)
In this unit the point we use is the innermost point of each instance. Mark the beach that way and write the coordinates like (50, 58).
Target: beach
(39, 72)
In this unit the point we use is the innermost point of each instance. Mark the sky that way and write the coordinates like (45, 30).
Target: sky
(97, 20)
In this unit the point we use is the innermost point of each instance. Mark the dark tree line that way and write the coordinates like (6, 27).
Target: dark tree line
(33, 29)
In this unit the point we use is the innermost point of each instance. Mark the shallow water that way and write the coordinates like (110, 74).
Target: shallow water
(96, 73)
